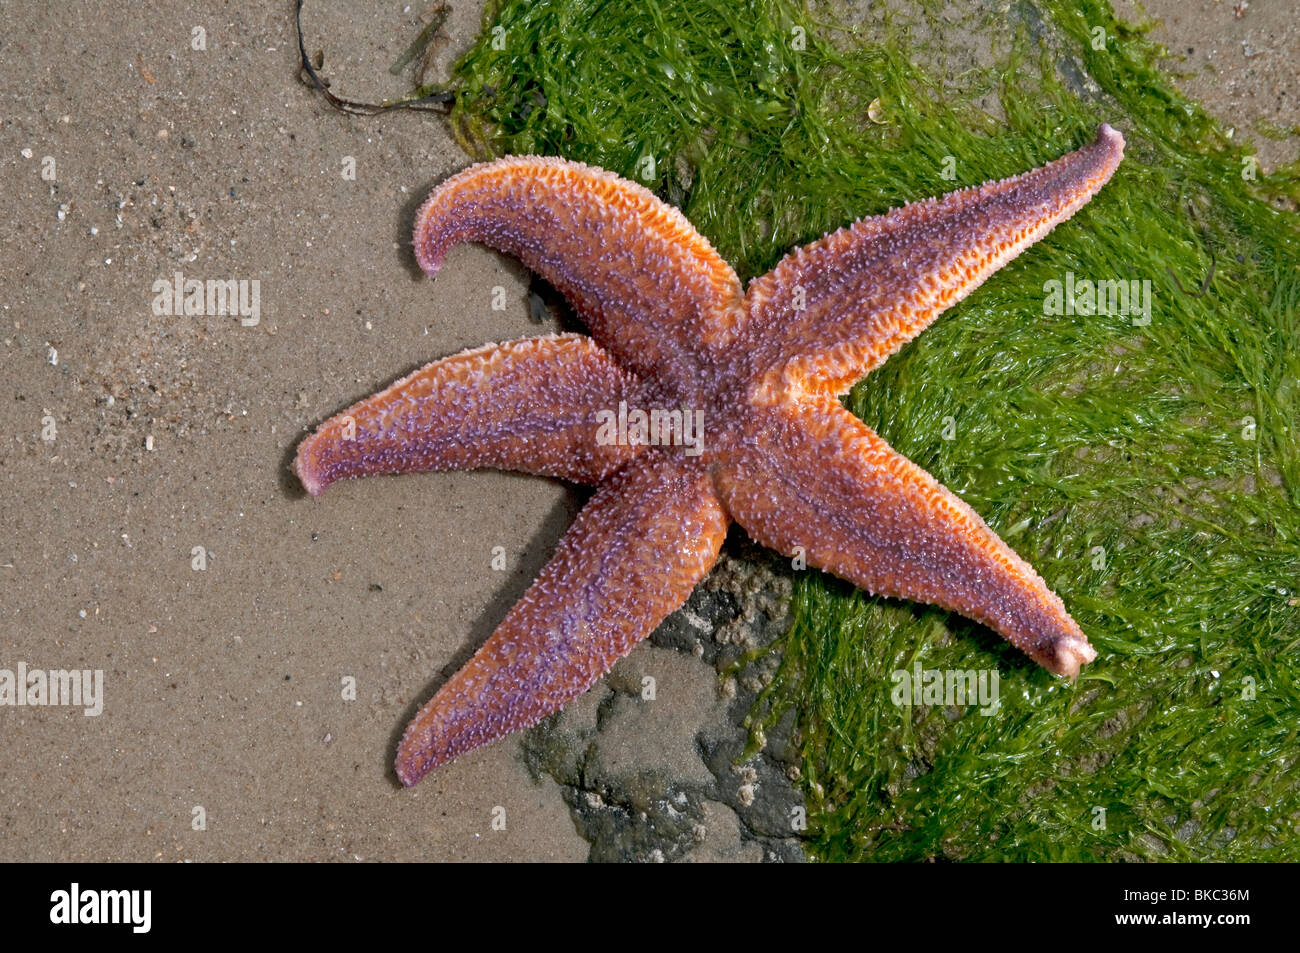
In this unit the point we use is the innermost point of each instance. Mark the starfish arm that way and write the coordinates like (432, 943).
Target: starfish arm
(528, 405)
(649, 286)
(820, 480)
(836, 309)
(631, 558)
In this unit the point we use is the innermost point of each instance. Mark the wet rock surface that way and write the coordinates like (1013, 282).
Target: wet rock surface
(652, 761)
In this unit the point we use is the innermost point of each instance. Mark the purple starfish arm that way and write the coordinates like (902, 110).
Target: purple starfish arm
(606, 588)
(529, 406)
(857, 508)
(831, 312)
(649, 286)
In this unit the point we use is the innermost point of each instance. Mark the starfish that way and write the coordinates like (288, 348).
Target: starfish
(676, 338)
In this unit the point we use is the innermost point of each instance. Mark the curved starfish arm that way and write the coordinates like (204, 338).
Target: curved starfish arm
(632, 557)
(840, 306)
(532, 406)
(649, 286)
(819, 479)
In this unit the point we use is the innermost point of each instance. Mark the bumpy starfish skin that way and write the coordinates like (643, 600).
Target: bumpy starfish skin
(526, 405)
(672, 330)
(633, 555)
(649, 286)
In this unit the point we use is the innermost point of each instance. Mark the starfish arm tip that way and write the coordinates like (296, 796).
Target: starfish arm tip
(313, 487)
(416, 752)
(428, 257)
(1071, 654)
(429, 252)
(407, 773)
(1113, 140)
(312, 481)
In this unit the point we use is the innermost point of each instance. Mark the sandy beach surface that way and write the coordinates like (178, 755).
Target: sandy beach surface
(261, 651)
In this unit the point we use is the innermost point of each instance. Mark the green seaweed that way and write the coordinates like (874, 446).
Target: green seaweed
(1149, 471)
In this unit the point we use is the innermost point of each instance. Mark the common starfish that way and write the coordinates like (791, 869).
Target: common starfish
(674, 335)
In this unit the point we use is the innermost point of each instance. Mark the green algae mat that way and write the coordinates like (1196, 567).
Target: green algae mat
(1136, 442)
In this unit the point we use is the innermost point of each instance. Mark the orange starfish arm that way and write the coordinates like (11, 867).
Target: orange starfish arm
(820, 480)
(631, 558)
(526, 405)
(836, 309)
(651, 289)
